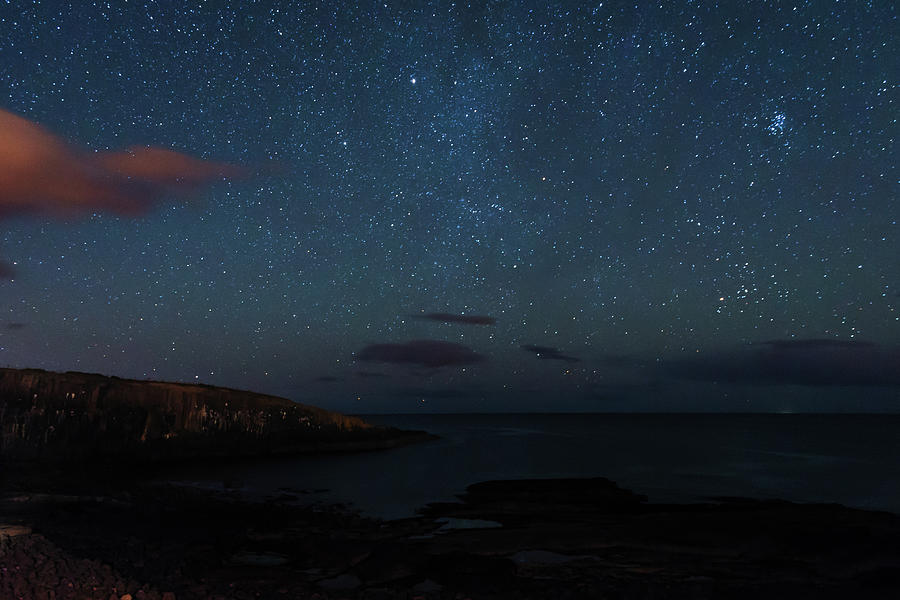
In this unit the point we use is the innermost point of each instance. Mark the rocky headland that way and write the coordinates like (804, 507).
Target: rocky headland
(77, 417)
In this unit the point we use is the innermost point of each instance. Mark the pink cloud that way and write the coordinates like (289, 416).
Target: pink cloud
(41, 173)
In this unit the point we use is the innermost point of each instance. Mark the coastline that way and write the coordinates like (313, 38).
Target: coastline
(84, 513)
(573, 538)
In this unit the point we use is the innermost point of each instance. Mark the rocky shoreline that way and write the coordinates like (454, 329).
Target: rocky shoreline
(581, 538)
(80, 518)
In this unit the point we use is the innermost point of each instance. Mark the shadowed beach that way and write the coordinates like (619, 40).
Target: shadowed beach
(581, 538)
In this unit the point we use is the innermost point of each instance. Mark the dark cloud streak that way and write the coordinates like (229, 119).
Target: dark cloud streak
(424, 353)
(548, 353)
(813, 362)
(454, 318)
(371, 375)
(6, 270)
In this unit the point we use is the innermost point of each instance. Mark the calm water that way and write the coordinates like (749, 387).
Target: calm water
(849, 459)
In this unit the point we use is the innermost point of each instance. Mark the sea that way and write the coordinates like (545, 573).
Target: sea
(834, 458)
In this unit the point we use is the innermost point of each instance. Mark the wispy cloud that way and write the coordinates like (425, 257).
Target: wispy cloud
(424, 353)
(548, 353)
(455, 318)
(815, 362)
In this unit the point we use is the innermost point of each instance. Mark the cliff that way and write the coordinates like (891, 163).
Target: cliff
(48, 416)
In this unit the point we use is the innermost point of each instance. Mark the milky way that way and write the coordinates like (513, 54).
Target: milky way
(639, 187)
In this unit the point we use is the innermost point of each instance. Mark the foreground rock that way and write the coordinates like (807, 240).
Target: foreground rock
(560, 539)
(593, 535)
(73, 417)
(32, 567)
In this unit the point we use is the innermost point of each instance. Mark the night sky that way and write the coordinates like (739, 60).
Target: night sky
(488, 207)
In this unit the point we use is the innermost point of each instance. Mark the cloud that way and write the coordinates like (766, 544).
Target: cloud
(40, 173)
(6, 270)
(165, 168)
(454, 318)
(371, 375)
(623, 361)
(813, 362)
(424, 353)
(626, 386)
(547, 353)
(438, 394)
(817, 344)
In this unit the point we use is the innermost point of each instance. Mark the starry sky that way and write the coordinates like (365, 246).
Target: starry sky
(441, 206)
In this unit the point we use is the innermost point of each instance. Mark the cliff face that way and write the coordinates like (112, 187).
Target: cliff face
(73, 416)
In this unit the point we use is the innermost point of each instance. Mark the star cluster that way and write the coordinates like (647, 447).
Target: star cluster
(619, 184)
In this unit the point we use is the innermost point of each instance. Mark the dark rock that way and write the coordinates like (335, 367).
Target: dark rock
(391, 563)
(345, 581)
(377, 594)
(428, 586)
(260, 559)
(517, 502)
(474, 570)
